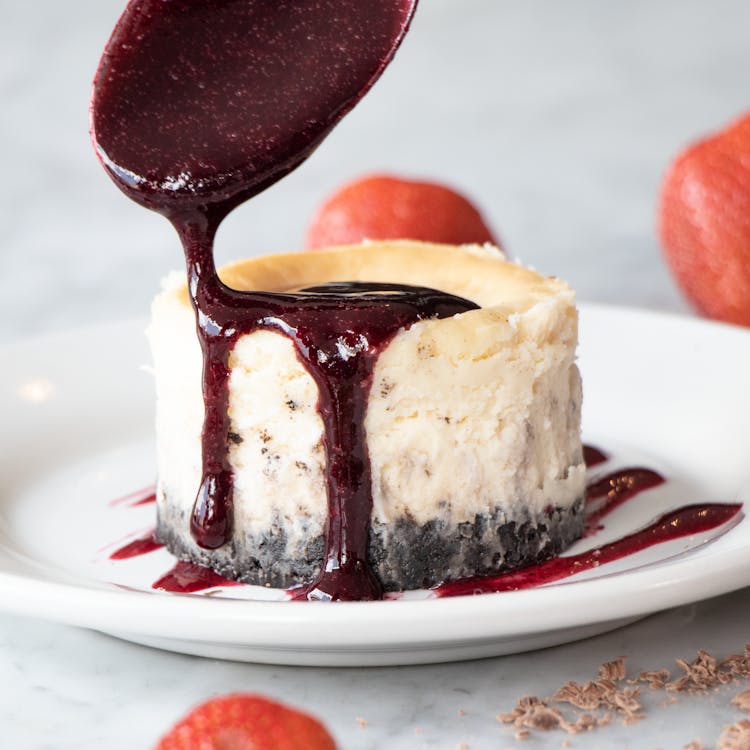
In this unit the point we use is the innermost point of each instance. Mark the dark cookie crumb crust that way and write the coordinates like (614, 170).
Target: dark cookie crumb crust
(405, 555)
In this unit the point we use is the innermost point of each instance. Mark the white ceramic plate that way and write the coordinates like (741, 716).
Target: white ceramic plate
(664, 391)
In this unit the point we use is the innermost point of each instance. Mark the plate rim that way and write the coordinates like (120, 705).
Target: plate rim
(309, 625)
(297, 625)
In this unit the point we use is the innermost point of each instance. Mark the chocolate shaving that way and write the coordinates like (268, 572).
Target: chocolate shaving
(738, 665)
(735, 736)
(602, 693)
(656, 679)
(585, 723)
(613, 670)
(608, 698)
(532, 712)
(702, 673)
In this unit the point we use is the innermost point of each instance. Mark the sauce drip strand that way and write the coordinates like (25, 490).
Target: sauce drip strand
(338, 331)
(611, 491)
(137, 547)
(144, 496)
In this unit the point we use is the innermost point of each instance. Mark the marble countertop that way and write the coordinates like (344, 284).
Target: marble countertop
(68, 689)
(559, 119)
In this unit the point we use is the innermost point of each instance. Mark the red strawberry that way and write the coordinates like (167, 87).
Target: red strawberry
(705, 222)
(246, 722)
(381, 207)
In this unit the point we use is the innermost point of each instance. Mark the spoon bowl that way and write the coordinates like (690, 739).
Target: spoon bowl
(208, 102)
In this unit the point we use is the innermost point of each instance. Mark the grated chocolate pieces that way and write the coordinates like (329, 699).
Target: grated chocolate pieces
(735, 737)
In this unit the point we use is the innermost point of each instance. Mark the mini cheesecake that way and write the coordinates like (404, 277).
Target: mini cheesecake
(472, 423)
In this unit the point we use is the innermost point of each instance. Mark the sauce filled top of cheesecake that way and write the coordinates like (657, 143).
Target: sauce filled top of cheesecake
(200, 104)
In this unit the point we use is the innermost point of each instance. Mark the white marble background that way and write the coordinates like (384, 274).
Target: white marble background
(559, 118)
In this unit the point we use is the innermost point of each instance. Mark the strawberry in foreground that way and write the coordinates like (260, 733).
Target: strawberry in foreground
(383, 207)
(246, 722)
(705, 222)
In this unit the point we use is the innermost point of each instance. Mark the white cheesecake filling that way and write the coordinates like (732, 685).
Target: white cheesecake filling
(467, 415)
(475, 414)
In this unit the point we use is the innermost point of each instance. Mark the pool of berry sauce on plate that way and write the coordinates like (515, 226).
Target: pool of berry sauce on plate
(188, 578)
(137, 547)
(603, 496)
(608, 493)
(614, 489)
(592, 456)
(691, 519)
(144, 496)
